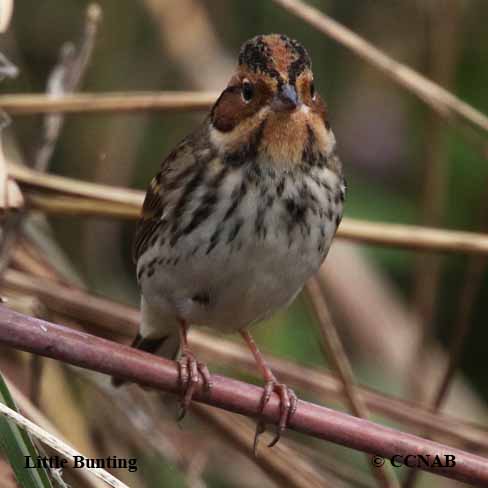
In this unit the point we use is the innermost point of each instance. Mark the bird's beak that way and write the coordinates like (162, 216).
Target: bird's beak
(286, 99)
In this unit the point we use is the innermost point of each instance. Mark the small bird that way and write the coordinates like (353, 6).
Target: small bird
(241, 214)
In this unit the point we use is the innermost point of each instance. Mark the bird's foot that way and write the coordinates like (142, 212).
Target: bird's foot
(189, 372)
(288, 406)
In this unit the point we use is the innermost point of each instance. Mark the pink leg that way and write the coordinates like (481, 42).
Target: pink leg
(189, 369)
(288, 399)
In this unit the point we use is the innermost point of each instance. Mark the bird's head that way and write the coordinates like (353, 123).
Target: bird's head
(271, 102)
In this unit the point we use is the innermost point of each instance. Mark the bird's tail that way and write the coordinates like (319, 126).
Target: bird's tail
(158, 335)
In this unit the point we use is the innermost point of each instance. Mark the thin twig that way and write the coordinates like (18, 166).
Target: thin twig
(107, 102)
(335, 352)
(72, 187)
(334, 349)
(472, 284)
(57, 444)
(65, 79)
(80, 349)
(82, 198)
(443, 53)
(443, 50)
(413, 237)
(438, 98)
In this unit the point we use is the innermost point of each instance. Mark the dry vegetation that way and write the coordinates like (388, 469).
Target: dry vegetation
(79, 407)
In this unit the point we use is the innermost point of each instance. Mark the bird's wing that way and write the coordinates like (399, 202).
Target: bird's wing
(165, 189)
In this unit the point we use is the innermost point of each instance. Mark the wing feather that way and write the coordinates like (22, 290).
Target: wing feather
(167, 188)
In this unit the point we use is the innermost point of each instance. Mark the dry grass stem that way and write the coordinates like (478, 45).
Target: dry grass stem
(82, 198)
(107, 102)
(6, 14)
(72, 187)
(413, 237)
(472, 284)
(36, 416)
(57, 444)
(438, 98)
(10, 196)
(443, 51)
(335, 352)
(193, 46)
(65, 78)
(473, 281)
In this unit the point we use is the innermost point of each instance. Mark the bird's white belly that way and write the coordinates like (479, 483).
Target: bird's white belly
(229, 292)
(245, 279)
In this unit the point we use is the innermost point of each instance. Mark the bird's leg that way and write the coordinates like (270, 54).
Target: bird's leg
(288, 399)
(189, 368)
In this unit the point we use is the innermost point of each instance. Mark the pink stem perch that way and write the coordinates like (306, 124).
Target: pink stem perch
(87, 351)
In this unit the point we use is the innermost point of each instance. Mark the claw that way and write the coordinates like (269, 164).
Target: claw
(288, 406)
(260, 428)
(189, 373)
(288, 399)
(207, 379)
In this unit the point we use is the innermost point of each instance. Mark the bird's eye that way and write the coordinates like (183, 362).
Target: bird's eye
(247, 91)
(312, 90)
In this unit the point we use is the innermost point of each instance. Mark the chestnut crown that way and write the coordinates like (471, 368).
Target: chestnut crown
(273, 72)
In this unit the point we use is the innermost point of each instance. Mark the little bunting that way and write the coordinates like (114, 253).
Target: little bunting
(241, 213)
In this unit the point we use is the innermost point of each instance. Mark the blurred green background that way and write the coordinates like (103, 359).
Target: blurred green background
(387, 138)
